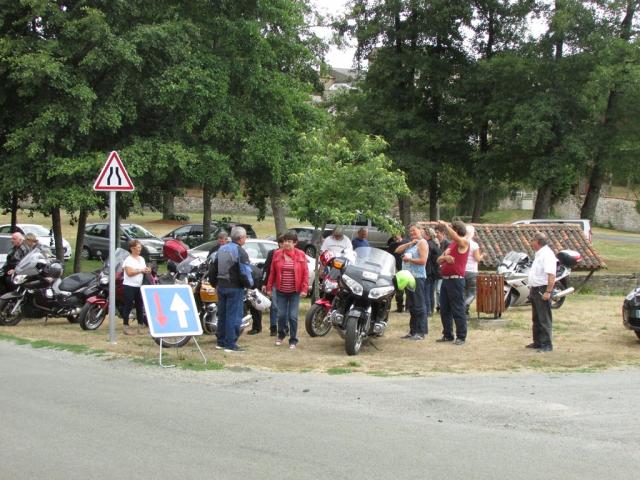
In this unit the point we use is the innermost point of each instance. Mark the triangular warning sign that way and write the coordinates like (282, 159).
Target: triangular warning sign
(113, 176)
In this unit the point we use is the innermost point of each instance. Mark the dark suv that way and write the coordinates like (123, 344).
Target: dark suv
(191, 234)
(96, 241)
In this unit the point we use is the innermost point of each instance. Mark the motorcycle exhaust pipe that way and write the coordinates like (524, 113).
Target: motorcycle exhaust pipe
(564, 293)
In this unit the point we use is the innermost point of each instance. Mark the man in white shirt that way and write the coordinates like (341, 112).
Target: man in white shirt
(338, 244)
(542, 277)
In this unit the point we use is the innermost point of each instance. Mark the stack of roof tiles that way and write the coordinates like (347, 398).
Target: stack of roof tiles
(496, 240)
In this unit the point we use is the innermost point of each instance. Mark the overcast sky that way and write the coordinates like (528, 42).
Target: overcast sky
(335, 58)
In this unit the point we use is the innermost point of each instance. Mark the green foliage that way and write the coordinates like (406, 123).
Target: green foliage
(343, 179)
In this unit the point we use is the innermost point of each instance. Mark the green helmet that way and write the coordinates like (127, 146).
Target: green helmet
(404, 279)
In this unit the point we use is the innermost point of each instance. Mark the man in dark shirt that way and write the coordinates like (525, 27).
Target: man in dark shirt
(361, 239)
(17, 253)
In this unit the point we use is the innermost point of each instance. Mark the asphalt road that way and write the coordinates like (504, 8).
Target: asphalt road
(66, 416)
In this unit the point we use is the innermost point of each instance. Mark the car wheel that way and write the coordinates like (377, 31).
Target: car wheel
(85, 254)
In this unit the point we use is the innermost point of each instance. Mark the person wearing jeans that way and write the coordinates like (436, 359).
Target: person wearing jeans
(289, 275)
(134, 268)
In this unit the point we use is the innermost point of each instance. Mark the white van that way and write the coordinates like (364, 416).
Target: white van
(584, 223)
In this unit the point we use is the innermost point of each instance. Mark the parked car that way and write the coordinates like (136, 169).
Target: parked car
(96, 241)
(192, 233)
(5, 248)
(45, 236)
(585, 224)
(304, 239)
(257, 250)
(377, 238)
(631, 311)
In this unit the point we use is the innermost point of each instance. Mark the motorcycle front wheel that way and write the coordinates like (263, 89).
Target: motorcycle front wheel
(91, 316)
(317, 322)
(353, 337)
(173, 342)
(558, 287)
(6, 317)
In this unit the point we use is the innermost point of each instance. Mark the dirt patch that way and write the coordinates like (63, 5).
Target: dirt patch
(588, 335)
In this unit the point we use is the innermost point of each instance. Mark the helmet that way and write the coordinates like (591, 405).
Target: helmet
(404, 279)
(326, 257)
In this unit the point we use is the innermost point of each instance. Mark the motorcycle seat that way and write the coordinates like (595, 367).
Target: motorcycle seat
(76, 281)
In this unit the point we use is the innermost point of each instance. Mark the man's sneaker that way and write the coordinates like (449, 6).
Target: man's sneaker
(545, 348)
(219, 347)
(533, 345)
(417, 336)
(234, 350)
(458, 341)
(278, 342)
(407, 336)
(444, 339)
(129, 330)
(292, 346)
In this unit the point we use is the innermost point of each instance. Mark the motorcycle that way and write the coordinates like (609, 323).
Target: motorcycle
(40, 292)
(361, 308)
(96, 306)
(317, 321)
(194, 272)
(515, 269)
(631, 311)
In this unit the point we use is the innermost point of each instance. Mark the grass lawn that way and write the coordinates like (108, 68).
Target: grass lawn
(588, 336)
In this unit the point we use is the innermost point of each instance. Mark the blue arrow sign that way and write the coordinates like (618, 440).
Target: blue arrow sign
(171, 310)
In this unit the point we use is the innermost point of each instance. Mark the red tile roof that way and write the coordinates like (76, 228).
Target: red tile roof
(496, 240)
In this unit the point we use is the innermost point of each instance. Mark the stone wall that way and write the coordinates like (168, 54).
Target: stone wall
(219, 205)
(611, 212)
(606, 284)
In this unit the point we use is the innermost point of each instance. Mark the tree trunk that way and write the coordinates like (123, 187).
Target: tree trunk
(596, 180)
(478, 201)
(14, 211)
(277, 207)
(207, 193)
(82, 223)
(404, 207)
(56, 222)
(543, 202)
(168, 206)
(434, 197)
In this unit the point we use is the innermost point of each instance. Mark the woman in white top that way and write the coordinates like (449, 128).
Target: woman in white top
(134, 269)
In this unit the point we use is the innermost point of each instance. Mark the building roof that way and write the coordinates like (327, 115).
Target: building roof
(496, 240)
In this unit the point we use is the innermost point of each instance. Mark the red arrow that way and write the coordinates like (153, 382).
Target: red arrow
(160, 316)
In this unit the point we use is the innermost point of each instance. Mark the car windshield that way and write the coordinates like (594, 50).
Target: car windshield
(375, 260)
(136, 231)
(189, 264)
(37, 230)
(5, 244)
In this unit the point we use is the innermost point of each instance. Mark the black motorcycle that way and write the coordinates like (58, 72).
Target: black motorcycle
(40, 292)
(361, 308)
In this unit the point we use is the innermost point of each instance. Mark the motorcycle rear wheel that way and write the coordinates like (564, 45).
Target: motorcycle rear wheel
(316, 321)
(353, 338)
(91, 316)
(173, 342)
(5, 308)
(637, 334)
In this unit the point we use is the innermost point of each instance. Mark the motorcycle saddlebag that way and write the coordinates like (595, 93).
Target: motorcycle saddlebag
(174, 250)
(569, 258)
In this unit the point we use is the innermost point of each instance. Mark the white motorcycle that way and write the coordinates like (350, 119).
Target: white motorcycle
(515, 269)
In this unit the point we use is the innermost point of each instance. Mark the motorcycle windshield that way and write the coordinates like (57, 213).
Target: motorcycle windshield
(375, 260)
(28, 265)
(189, 264)
(120, 256)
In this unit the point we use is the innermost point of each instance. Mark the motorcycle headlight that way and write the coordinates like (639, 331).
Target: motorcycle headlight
(354, 286)
(104, 280)
(379, 292)
(18, 279)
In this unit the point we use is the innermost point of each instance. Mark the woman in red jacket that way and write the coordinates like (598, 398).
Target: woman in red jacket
(290, 276)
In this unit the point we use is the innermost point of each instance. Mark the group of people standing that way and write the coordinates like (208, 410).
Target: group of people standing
(444, 262)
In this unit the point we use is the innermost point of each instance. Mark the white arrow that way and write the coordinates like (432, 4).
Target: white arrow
(178, 306)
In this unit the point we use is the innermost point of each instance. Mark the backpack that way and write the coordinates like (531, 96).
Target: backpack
(229, 257)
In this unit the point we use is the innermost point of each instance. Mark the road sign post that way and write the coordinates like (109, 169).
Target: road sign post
(113, 178)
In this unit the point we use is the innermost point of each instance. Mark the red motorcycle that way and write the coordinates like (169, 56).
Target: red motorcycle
(317, 321)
